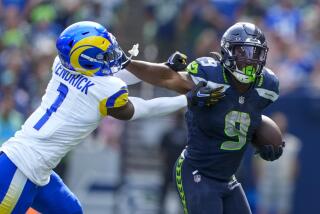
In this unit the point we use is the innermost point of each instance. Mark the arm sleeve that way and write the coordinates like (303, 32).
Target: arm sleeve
(127, 77)
(157, 107)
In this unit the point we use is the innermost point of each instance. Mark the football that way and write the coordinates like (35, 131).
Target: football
(267, 133)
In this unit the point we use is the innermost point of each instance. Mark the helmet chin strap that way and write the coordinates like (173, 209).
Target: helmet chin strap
(115, 69)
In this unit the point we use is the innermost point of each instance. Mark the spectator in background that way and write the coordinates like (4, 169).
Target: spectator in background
(44, 29)
(13, 30)
(206, 42)
(10, 119)
(172, 144)
(41, 70)
(276, 180)
(229, 11)
(294, 68)
(159, 29)
(23, 6)
(195, 16)
(315, 78)
(166, 13)
(312, 27)
(149, 33)
(284, 18)
(14, 77)
(253, 10)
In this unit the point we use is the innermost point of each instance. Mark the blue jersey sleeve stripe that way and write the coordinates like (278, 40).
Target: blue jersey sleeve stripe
(111, 100)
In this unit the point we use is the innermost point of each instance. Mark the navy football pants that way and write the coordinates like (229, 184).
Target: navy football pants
(18, 193)
(203, 195)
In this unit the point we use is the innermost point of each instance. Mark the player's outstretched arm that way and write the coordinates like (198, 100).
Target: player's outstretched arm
(161, 75)
(138, 108)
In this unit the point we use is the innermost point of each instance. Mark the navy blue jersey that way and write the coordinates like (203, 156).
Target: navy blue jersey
(218, 135)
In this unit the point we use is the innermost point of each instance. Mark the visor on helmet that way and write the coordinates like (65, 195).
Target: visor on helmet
(249, 59)
(250, 52)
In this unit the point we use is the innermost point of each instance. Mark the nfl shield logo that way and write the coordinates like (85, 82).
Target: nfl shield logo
(197, 178)
(241, 99)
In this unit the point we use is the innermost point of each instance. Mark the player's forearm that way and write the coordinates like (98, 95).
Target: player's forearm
(157, 107)
(153, 73)
(160, 75)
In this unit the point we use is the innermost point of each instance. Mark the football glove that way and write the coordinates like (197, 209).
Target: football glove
(201, 95)
(177, 61)
(270, 152)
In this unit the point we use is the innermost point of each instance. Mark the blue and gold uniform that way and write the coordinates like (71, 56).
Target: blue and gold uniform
(219, 135)
(78, 96)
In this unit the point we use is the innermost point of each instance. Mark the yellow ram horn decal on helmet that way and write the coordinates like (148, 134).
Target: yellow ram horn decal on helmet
(81, 46)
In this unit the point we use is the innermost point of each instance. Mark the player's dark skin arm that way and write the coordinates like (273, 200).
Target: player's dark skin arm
(160, 75)
(122, 113)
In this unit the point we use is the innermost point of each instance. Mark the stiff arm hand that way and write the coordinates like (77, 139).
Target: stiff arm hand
(202, 95)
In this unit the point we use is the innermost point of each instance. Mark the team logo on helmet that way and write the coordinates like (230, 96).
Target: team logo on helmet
(83, 55)
(88, 48)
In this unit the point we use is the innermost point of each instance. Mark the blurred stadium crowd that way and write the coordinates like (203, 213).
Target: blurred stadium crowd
(29, 28)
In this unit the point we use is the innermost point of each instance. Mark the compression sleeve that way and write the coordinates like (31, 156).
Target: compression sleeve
(127, 77)
(157, 106)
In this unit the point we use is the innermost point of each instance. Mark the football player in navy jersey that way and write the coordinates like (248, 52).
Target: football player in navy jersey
(219, 134)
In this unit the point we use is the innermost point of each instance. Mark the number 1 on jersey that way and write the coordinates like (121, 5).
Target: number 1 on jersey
(63, 91)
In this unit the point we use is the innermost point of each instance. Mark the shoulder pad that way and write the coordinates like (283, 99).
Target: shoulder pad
(268, 85)
(206, 69)
(118, 95)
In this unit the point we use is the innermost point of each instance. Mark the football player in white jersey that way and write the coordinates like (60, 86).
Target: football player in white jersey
(81, 92)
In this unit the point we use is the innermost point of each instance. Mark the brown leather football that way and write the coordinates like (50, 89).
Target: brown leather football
(268, 133)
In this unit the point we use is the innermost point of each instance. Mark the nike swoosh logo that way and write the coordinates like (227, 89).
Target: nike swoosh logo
(199, 94)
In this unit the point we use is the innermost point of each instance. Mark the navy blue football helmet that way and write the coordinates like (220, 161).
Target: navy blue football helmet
(244, 51)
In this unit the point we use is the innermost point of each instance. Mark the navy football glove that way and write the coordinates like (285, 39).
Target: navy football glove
(177, 61)
(201, 95)
(270, 152)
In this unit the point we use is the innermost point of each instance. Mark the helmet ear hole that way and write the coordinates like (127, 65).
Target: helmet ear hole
(70, 43)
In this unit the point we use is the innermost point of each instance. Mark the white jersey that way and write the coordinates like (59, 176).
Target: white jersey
(71, 109)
